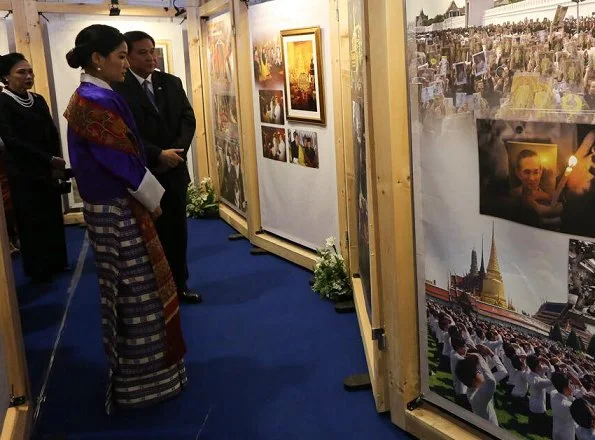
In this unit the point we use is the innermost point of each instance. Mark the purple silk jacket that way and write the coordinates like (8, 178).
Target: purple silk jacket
(103, 173)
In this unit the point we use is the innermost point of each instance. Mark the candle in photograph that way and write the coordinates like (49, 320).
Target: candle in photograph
(571, 164)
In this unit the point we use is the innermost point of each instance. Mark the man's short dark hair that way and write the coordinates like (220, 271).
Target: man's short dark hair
(466, 370)
(134, 36)
(559, 381)
(532, 362)
(457, 342)
(516, 362)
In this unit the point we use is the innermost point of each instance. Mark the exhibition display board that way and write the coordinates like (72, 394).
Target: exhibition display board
(294, 120)
(224, 133)
(498, 185)
(224, 122)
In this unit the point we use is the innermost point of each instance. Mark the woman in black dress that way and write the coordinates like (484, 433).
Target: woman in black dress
(34, 166)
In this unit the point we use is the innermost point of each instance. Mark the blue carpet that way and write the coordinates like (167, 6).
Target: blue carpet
(42, 307)
(266, 356)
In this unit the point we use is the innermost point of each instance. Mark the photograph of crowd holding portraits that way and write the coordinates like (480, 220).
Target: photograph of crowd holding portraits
(503, 132)
(533, 70)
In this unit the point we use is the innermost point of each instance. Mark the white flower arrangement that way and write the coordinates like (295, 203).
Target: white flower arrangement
(202, 200)
(330, 274)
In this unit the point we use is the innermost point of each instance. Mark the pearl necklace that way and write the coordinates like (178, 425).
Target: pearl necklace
(27, 103)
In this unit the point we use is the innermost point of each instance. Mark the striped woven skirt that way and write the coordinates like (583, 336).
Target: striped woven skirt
(136, 335)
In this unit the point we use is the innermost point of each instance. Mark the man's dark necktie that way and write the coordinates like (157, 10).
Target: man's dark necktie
(150, 94)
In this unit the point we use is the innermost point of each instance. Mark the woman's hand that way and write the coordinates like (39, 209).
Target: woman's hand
(58, 163)
(157, 213)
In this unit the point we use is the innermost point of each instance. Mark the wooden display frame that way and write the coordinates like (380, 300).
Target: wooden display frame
(372, 319)
(206, 11)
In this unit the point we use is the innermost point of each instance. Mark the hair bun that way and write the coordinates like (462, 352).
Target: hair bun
(72, 59)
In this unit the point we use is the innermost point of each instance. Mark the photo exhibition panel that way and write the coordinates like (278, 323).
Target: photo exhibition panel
(503, 137)
(62, 31)
(294, 122)
(224, 110)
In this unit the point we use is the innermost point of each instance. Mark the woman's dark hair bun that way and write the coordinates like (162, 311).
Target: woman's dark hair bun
(98, 38)
(72, 59)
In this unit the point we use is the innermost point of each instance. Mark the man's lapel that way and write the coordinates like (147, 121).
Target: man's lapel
(140, 92)
(158, 90)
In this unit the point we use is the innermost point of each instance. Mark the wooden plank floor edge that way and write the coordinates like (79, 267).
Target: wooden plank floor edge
(429, 422)
(286, 250)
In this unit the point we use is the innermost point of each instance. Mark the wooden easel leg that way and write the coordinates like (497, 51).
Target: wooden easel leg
(357, 382)
(345, 307)
(258, 251)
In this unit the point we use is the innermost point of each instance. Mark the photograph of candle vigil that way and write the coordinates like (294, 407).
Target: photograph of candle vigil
(303, 148)
(274, 145)
(229, 171)
(272, 107)
(535, 70)
(538, 174)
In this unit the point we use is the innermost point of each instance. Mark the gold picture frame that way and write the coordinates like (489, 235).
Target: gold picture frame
(164, 56)
(303, 79)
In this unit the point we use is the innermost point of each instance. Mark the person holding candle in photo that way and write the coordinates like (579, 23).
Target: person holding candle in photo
(536, 204)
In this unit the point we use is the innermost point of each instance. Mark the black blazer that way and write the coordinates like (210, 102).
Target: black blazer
(30, 137)
(173, 126)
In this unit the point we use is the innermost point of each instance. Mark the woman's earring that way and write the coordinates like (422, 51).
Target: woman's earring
(99, 69)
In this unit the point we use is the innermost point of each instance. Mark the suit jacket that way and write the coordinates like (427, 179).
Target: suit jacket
(173, 126)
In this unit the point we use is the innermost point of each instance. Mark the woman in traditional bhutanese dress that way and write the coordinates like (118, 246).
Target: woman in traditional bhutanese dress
(139, 306)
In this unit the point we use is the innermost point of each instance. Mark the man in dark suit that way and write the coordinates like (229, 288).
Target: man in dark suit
(166, 122)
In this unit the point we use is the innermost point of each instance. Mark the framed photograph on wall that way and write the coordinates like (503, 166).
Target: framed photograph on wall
(163, 52)
(304, 88)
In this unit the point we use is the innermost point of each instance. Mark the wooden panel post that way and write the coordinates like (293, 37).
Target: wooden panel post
(245, 79)
(390, 126)
(198, 101)
(29, 41)
(11, 333)
(340, 137)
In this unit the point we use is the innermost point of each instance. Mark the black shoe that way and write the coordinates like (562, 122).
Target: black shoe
(190, 297)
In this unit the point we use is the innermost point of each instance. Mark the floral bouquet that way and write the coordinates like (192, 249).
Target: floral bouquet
(202, 200)
(330, 275)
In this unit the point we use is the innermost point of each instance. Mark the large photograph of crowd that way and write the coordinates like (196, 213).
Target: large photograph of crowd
(535, 70)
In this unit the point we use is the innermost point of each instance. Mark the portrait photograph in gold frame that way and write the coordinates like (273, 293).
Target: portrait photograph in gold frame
(303, 81)
(164, 56)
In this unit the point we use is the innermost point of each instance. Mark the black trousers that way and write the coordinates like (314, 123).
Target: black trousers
(40, 223)
(173, 231)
